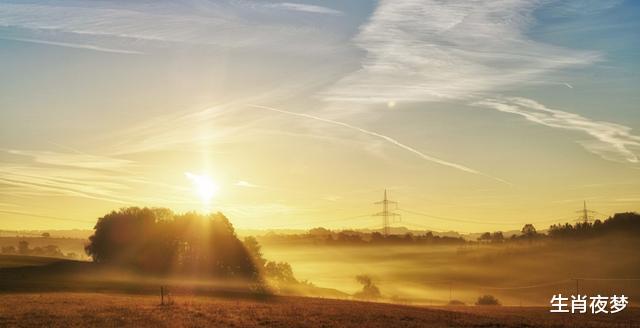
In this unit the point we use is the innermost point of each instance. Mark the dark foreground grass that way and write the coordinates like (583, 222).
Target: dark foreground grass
(121, 310)
(14, 261)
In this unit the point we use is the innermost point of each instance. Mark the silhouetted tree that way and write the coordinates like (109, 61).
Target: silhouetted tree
(620, 223)
(280, 274)
(320, 232)
(485, 237)
(23, 247)
(52, 250)
(8, 250)
(487, 300)
(158, 241)
(529, 230)
(369, 290)
(254, 249)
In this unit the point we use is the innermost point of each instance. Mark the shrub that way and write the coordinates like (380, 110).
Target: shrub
(369, 290)
(487, 300)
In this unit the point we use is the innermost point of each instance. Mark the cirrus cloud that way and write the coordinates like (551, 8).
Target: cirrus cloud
(612, 141)
(435, 50)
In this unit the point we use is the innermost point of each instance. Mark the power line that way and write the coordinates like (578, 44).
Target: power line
(467, 220)
(559, 282)
(322, 221)
(422, 226)
(16, 232)
(601, 213)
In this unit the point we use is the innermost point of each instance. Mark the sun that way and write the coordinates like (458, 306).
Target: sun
(204, 186)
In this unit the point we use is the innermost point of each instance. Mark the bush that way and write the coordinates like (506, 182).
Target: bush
(487, 300)
(456, 303)
(369, 290)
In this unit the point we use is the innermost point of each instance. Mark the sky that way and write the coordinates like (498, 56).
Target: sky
(474, 115)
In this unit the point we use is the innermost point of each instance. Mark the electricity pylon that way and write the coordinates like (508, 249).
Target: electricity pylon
(585, 214)
(386, 214)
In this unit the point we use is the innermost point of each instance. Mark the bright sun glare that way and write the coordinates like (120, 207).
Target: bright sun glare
(204, 186)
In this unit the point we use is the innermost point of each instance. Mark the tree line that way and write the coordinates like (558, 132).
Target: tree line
(23, 248)
(627, 223)
(352, 237)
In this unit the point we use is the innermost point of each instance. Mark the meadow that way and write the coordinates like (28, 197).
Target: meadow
(122, 310)
(415, 282)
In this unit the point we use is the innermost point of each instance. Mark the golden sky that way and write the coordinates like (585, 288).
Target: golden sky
(294, 115)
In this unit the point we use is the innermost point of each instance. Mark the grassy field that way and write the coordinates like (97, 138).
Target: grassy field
(15, 261)
(119, 310)
(61, 293)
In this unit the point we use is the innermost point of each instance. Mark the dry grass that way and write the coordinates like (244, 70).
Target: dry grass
(119, 310)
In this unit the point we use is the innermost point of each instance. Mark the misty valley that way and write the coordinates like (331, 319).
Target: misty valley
(140, 249)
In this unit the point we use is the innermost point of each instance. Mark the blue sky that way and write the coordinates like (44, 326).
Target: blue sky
(306, 110)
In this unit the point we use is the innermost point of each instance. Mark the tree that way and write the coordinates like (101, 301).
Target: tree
(623, 223)
(529, 230)
(158, 241)
(487, 300)
(497, 237)
(23, 247)
(37, 251)
(8, 250)
(46, 235)
(485, 237)
(52, 251)
(369, 290)
(120, 235)
(320, 232)
(279, 274)
(254, 248)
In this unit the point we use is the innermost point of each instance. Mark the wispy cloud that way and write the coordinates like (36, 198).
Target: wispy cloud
(47, 173)
(306, 8)
(63, 181)
(191, 22)
(612, 141)
(78, 160)
(436, 50)
(75, 46)
(582, 7)
(420, 51)
(385, 138)
(184, 130)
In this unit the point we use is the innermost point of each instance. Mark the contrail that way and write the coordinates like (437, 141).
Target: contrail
(386, 138)
(75, 46)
